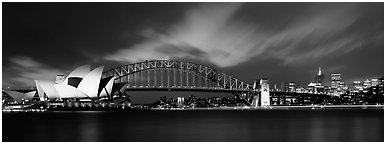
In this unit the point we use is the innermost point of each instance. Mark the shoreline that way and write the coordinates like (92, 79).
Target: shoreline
(265, 108)
(315, 107)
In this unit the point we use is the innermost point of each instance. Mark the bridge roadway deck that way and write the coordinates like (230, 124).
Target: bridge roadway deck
(200, 89)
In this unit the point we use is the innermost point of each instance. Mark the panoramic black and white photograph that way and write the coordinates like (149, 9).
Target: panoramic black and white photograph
(192, 72)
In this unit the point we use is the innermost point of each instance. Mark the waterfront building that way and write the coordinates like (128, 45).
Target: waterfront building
(214, 101)
(357, 86)
(192, 100)
(80, 83)
(337, 86)
(380, 85)
(380, 82)
(366, 84)
(292, 86)
(374, 82)
(343, 86)
(275, 88)
(341, 89)
(163, 99)
(317, 87)
(264, 89)
(17, 96)
(284, 87)
(301, 90)
(180, 102)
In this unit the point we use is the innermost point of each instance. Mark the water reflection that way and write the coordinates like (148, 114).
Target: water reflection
(89, 128)
(197, 126)
(317, 129)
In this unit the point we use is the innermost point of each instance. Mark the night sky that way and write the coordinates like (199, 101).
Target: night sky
(280, 41)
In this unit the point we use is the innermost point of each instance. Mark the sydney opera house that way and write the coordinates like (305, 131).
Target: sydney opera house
(81, 83)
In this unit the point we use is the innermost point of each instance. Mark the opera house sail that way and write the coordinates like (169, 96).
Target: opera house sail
(82, 82)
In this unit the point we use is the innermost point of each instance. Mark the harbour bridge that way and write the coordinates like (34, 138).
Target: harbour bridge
(169, 75)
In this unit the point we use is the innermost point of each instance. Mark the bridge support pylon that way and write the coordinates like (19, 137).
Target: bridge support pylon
(255, 95)
(261, 93)
(264, 89)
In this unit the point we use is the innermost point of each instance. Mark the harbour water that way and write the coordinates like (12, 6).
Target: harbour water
(342, 125)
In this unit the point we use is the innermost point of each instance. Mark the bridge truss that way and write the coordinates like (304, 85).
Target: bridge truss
(175, 74)
(178, 75)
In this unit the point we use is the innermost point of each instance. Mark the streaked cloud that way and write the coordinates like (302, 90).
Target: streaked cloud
(236, 37)
(226, 40)
(199, 35)
(24, 70)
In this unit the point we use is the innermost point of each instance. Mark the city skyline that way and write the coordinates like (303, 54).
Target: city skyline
(193, 71)
(246, 40)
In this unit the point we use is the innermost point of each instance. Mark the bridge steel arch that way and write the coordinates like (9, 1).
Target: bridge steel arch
(225, 81)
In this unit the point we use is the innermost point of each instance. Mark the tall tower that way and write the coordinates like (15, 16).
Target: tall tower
(319, 77)
(255, 97)
(320, 71)
(264, 89)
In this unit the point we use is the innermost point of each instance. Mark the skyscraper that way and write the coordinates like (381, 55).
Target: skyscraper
(284, 87)
(335, 80)
(317, 87)
(374, 82)
(342, 86)
(319, 77)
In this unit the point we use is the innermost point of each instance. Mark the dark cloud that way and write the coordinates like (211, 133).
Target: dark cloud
(281, 41)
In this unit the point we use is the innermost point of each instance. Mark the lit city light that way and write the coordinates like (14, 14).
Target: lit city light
(193, 72)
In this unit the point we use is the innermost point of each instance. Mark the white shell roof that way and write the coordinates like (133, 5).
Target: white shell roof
(88, 87)
(47, 87)
(18, 96)
(80, 72)
(67, 91)
(90, 83)
(109, 88)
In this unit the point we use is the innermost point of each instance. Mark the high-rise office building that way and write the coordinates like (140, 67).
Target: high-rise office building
(374, 82)
(335, 80)
(275, 88)
(319, 77)
(284, 87)
(342, 86)
(317, 86)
